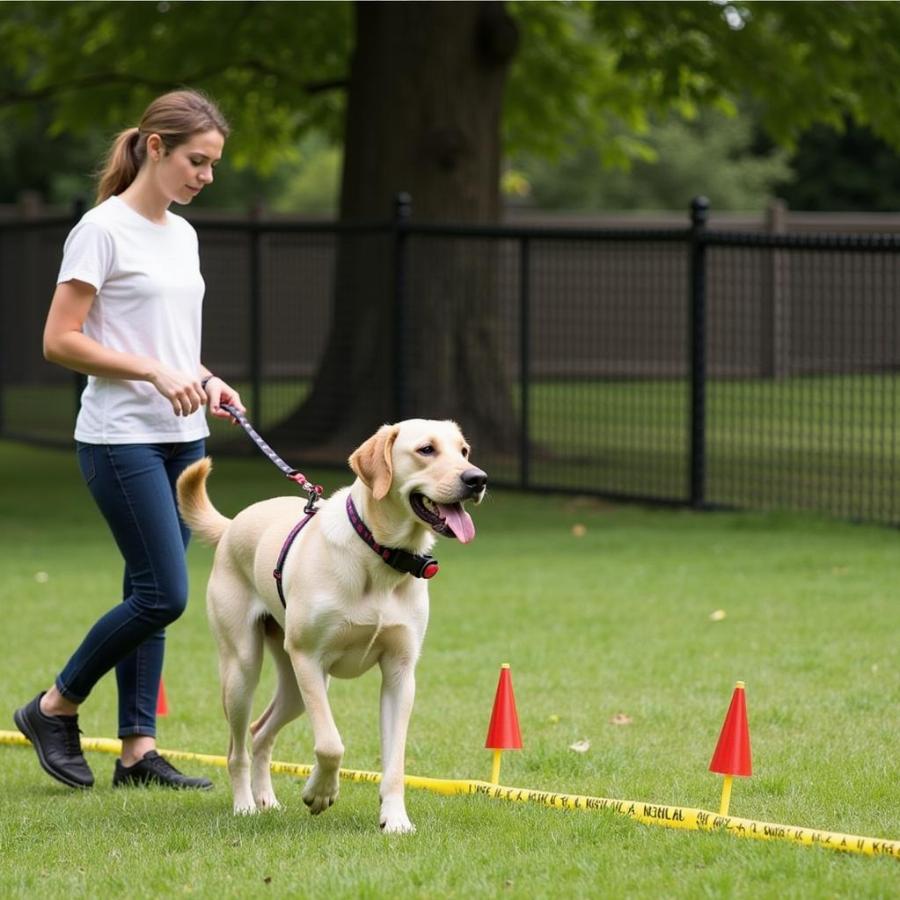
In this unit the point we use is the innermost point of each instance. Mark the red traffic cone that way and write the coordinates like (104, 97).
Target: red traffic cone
(162, 705)
(732, 753)
(503, 731)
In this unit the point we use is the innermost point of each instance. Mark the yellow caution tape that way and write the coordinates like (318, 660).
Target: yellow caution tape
(698, 820)
(648, 813)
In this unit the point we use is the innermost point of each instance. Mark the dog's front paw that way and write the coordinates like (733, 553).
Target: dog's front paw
(320, 791)
(393, 818)
(266, 800)
(245, 808)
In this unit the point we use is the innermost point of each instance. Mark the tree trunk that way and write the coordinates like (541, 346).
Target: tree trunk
(423, 117)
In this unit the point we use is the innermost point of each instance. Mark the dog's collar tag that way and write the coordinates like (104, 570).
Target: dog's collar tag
(401, 560)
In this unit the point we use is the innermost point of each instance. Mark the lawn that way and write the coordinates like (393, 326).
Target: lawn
(604, 623)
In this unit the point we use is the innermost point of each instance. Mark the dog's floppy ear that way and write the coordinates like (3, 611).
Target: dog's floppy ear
(371, 461)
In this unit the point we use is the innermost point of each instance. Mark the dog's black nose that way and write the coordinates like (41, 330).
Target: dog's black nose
(474, 479)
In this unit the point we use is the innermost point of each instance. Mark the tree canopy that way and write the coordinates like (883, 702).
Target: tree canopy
(585, 74)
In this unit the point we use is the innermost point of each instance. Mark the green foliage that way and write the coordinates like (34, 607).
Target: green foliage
(563, 87)
(304, 182)
(312, 180)
(713, 154)
(59, 167)
(850, 170)
(584, 70)
(588, 84)
(805, 62)
(596, 74)
(266, 63)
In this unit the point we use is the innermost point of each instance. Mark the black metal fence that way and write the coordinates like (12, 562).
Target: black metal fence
(682, 365)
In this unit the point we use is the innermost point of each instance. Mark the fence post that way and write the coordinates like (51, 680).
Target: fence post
(524, 362)
(255, 330)
(699, 214)
(776, 322)
(79, 381)
(400, 228)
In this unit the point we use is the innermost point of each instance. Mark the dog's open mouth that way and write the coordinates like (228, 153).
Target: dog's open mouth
(448, 519)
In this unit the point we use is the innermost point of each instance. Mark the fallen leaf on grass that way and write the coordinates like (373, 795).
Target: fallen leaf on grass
(41, 577)
(621, 719)
(579, 530)
(717, 615)
(580, 746)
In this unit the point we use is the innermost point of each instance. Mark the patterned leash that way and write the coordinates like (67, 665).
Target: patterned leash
(314, 491)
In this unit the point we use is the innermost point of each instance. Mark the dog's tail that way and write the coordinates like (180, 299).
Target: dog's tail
(195, 506)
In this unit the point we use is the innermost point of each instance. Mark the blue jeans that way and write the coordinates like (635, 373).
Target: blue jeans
(134, 487)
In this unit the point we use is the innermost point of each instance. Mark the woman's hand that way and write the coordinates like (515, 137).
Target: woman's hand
(182, 391)
(219, 392)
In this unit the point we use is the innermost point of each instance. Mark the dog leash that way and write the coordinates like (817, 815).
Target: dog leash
(314, 491)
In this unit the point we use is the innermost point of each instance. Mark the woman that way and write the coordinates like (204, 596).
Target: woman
(127, 313)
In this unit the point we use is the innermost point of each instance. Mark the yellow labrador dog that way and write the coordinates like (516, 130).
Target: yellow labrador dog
(351, 592)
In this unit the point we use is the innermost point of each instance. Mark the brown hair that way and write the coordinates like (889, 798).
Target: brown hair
(175, 117)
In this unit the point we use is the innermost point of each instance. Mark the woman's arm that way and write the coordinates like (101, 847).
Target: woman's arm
(67, 345)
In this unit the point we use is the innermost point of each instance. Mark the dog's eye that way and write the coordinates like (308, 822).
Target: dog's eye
(465, 452)
(427, 450)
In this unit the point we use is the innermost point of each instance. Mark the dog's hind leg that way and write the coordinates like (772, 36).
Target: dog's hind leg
(285, 706)
(240, 660)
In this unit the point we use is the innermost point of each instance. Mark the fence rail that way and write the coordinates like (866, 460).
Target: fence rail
(686, 365)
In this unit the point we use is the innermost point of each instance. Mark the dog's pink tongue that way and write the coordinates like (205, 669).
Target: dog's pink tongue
(460, 521)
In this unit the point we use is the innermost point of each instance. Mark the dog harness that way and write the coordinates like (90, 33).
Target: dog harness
(402, 560)
(285, 547)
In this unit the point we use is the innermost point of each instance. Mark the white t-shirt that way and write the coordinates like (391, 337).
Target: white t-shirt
(149, 301)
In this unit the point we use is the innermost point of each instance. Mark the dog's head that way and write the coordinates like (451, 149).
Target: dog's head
(423, 464)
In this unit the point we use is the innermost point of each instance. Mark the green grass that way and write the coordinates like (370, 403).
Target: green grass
(617, 620)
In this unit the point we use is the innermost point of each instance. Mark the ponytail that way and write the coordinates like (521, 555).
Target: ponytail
(174, 117)
(122, 164)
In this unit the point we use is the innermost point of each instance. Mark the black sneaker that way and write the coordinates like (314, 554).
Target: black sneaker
(56, 741)
(152, 768)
